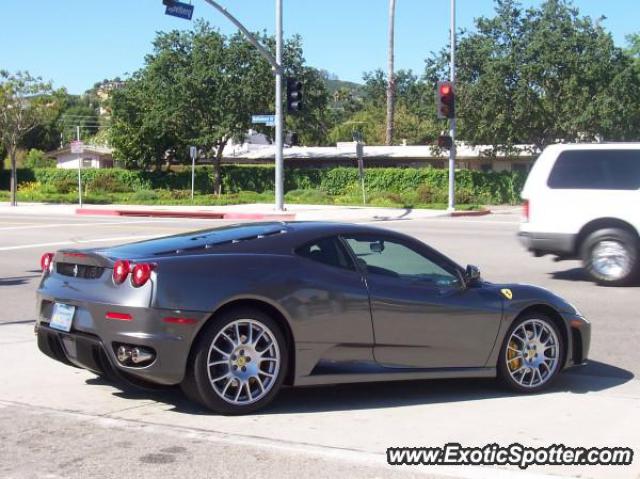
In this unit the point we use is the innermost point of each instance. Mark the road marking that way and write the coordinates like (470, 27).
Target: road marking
(61, 243)
(409, 221)
(86, 223)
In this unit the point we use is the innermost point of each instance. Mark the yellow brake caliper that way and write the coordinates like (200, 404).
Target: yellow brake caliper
(512, 354)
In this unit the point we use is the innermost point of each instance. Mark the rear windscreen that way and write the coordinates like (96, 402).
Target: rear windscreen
(596, 169)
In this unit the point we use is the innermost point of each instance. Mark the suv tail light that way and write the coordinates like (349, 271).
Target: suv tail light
(141, 274)
(46, 262)
(526, 210)
(121, 270)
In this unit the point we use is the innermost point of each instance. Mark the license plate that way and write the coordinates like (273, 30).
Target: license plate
(62, 317)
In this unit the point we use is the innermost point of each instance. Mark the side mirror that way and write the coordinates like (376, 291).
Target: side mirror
(471, 274)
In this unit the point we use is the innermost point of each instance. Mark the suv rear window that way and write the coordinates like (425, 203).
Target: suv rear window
(596, 169)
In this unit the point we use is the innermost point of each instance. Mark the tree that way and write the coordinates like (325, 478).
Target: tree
(201, 88)
(539, 76)
(391, 83)
(414, 111)
(25, 102)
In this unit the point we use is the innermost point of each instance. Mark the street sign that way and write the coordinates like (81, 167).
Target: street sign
(193, 152)
(77, 147)
(180, 10)
(268, 120)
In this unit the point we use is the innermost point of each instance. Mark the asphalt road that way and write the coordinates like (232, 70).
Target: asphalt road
(65, 423)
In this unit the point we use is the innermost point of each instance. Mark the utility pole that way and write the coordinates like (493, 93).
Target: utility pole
(276, 64)
(452, 121)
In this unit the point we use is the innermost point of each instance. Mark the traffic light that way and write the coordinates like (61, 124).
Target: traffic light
(294, 95)
(445, 141)
(445, 100)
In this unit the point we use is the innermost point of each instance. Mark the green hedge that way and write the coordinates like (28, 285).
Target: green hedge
(496, 188)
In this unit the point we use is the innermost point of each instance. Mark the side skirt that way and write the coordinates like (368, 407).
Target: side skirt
(366, 372)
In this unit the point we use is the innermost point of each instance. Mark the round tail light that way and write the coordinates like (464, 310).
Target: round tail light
(46, 262)
(141, 274)
(121, 270)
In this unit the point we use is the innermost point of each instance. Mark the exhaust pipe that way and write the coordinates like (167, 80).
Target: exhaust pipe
(140, 355)
(123, 354)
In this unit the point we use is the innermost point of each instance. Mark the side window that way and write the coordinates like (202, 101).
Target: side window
(389, 258)
(328, 251)
(596, 169)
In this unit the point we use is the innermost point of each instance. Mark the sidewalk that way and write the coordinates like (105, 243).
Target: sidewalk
(230, 212)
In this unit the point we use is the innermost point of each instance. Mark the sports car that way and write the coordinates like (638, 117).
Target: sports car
(233, 314)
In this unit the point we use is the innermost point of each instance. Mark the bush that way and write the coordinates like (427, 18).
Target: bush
(144, 195)
(420, 185)
(64, 185)
(37, 159)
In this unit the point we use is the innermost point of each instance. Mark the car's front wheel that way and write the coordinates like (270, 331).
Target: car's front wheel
(610, 256)
(531, 355)
(239, 362)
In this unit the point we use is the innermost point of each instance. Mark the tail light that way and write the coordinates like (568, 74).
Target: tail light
(526, 210)
(121, 270)
(46, 262)
(141, 274)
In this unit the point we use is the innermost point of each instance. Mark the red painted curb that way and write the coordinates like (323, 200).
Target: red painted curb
(470, 213)
(205, 215)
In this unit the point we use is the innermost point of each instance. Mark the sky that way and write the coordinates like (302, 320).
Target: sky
(76, 43)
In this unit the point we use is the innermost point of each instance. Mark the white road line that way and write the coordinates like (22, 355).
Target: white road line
(61, 243)
(409, 221)
(85, 223)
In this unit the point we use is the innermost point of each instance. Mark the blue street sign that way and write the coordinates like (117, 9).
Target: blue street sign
(180, 10)
(268, 120)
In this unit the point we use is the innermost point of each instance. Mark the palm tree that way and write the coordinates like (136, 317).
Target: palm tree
(391, 83)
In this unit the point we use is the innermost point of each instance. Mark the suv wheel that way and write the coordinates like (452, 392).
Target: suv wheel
(610, 256)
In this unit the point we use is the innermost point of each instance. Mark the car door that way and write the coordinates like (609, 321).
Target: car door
(423, 316)
(331, 302)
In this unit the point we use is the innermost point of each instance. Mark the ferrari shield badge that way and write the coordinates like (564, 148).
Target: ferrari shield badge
(507, 293)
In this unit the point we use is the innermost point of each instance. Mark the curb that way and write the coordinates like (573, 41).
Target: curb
(456, 214)
(203, 215)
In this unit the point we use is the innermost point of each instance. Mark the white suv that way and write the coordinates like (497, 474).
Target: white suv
(583, 201)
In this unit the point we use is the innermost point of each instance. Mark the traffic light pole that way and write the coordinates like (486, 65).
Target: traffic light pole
(452, 121)
(278, 68)
(279, 189)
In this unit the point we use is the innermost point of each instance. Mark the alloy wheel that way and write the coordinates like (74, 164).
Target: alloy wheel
(243, 362)
(533, 353)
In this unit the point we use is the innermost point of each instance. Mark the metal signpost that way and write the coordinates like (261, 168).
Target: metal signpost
(193, 153)
(357, 137)
(77, 148)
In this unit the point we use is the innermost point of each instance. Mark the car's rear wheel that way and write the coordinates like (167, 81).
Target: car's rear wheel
(610, 256)
(531, 355)
(239, 362)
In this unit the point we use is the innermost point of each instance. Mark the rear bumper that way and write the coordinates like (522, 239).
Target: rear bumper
(561, 244)
(93, 340)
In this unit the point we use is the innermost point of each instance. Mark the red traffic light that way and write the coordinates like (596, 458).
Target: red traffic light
(445, 100)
